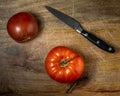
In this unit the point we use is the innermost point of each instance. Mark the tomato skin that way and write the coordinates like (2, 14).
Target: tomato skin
(64, 65)
(22, 27)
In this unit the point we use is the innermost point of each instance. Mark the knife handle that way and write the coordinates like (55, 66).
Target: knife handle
(98, 42)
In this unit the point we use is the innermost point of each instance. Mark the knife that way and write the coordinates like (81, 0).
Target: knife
(76, 26)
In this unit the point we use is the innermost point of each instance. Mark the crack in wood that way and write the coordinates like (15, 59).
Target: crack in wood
(103, 91)
(27, 67)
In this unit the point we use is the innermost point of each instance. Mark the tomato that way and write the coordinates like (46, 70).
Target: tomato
(22, 27)
(64, 65)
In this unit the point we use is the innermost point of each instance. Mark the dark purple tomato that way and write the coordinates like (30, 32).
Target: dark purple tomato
(22, 27)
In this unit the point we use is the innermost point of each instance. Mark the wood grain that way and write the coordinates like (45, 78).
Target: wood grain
(22, 64)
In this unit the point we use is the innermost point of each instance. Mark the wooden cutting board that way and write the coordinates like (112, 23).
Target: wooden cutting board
(22, 64)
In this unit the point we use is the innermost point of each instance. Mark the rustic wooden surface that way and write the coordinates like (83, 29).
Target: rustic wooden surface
(22, 64)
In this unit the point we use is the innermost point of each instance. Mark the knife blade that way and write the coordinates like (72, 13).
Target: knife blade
(76, 26)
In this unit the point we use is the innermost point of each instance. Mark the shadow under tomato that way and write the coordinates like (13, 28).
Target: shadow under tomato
(88, 74)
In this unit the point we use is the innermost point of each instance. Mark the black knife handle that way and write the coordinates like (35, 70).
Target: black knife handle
(98, 42)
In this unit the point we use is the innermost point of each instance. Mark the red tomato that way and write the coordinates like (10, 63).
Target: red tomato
(64, 65)
(22, 27)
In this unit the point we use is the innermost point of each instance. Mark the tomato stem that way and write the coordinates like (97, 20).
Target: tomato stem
(74, 84)
(63, 62)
